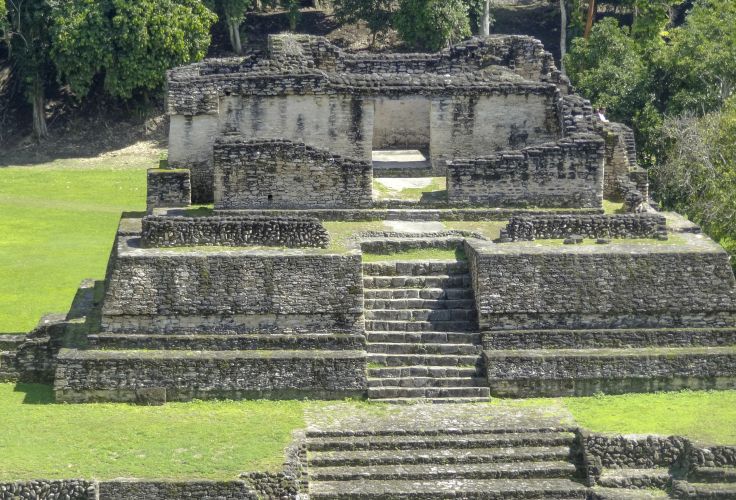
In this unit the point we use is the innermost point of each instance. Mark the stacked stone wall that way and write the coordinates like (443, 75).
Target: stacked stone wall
(522, 228)
(167, 231)
(524, 286)
(152, 290)
(285, 174)
(160, 376)
(568, 173)
(168, 188)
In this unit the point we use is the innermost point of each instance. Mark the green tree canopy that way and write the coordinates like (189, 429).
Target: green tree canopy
(129, 44)
(432, 24)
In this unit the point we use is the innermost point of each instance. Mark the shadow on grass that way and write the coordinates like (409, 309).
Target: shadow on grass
(36, 394)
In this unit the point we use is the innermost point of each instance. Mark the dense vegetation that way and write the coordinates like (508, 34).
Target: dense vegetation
(672, 78)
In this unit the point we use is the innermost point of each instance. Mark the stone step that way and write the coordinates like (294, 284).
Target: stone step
(601, 493)
(713, 475)
(635, 478)
(426, 348)
(429, 382)
(424, 359)
(419, 371)
(512, 428)
(584, 372)
(608, 338)
(424, 337)
(415, 268)
(440, 489)
(438, 456)
(432, 315)
(433, 401)
(515, 470)
(226, 342)
(420, 326)
(11, 342)
(418, 293)
(686, 489)
(414, 442)
(408, 304)
(437, 281)
(379, 393)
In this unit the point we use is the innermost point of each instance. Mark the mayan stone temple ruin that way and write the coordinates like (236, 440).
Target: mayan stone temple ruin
(248, 276)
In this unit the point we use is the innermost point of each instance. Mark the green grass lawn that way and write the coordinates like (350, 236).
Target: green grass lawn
(707, 417)
(198, 440)
(57, 222)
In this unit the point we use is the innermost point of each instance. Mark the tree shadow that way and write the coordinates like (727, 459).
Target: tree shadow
(36, 394)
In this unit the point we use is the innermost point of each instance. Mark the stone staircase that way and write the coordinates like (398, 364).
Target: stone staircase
(421, 332)
(435, 464)
(707, 482)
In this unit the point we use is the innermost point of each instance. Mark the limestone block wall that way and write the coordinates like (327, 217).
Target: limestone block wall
(294, 232)
(528, 228)
(568, 173)
(87, 376)
(190, 147)
(470, 126)
(164, 290)
(286, 174)
(401, 122)
(533, 286)
(168, 188)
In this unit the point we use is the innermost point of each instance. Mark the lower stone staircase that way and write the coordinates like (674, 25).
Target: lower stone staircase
(436, 464)
(707, 482)
(421, 332)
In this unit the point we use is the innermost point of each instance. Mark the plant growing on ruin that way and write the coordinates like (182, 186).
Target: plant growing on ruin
(432, 24)
(128, 45)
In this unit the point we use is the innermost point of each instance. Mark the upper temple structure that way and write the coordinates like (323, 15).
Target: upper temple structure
(471, 102)
(448, 227)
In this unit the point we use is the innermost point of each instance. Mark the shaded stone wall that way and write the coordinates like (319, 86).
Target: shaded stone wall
(171, 231)
(401, 122)
(522, 228)
(152, 290)
(285, 174)
(533, 286)
(168, 188)
(568, 173)
(472, 126)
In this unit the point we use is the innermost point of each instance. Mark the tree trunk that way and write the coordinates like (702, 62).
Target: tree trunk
(563, 34)
(38, 102)
(591, 16)
(485, 21)
(233, 31)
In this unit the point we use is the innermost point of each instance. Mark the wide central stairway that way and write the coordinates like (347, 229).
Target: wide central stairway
(426, 451)
(422, 332)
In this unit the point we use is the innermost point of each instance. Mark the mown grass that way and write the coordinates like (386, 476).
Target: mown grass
(705, 416)
(57, 222)
(198, 440)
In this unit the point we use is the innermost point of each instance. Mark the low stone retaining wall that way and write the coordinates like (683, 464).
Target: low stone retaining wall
(679, 454)
(522, 228)
(165, 231)
(160, 376)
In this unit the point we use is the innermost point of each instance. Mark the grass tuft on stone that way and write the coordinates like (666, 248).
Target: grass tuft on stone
(197, 440)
